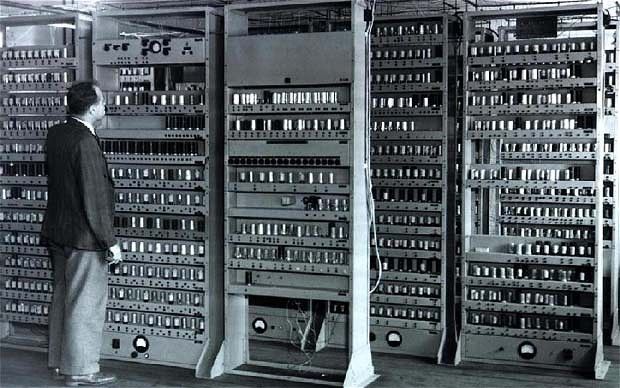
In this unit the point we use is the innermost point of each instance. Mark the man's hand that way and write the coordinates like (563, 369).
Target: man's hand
(114, 254)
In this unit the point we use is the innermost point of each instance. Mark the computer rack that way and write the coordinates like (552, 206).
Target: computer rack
(40, 57)
(413, 90)
(161, 72)
(296, 201)
(534, 176)
(612, 188)
(458, 187)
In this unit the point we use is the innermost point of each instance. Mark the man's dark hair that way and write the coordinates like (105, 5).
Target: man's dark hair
(81, 96)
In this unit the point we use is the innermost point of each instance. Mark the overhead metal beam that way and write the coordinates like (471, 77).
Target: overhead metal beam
(43, 9)
(29, 7)
(475, 5)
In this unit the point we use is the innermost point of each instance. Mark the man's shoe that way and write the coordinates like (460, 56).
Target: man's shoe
(92, 379)
(56, 375)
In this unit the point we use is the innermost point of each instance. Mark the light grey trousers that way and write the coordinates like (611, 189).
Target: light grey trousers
(77, 312)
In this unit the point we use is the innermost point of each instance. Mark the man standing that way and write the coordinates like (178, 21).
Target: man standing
(79, 228)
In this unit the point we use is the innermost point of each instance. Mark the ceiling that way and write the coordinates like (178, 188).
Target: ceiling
(29, 7)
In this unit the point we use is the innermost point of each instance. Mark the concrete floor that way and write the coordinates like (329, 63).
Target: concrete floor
(20, 368)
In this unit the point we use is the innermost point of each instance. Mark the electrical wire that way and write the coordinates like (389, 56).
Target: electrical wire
(296, 327)
(292, 340)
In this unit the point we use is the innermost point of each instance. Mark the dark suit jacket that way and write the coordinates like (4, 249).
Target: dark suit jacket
(80, 206)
